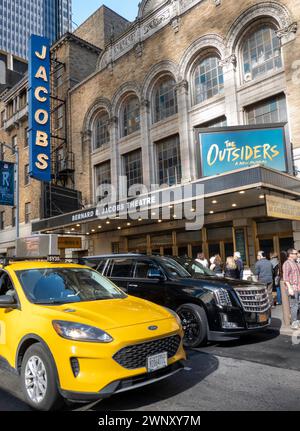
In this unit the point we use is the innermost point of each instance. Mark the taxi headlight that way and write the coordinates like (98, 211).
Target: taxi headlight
(80, 332)
(175, 315)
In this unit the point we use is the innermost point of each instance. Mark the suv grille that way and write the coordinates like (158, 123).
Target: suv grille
(133, 357)
(254, 300)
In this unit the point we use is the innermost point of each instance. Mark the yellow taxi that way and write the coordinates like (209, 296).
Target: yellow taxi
(72, 334)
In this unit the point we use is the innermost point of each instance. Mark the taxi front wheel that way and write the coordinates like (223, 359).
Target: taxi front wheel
(38, 379)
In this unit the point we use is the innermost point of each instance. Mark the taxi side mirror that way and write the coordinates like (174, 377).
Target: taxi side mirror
(7, 301)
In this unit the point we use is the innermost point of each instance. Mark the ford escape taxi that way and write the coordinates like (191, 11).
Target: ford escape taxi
(71, 333)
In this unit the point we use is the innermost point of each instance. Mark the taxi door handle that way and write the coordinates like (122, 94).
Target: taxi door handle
(133, 285)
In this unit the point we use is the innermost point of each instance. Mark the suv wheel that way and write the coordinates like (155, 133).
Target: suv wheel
(38, 379)
(194, 323)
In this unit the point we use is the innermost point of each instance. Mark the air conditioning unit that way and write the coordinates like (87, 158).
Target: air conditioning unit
(248, 77)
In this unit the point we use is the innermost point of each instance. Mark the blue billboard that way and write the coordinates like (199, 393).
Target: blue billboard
(7, 183)
(39, 109)
(228, 149)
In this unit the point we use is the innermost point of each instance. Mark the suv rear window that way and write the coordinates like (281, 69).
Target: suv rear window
(97, 264)
(120, 268)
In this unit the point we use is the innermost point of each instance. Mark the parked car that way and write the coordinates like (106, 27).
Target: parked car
(210, 308)
(71, 333)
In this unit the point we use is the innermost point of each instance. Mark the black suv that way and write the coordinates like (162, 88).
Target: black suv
(210, 308)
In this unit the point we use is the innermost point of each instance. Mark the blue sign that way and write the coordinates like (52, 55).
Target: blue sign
(39, 109)
(7, 183)
(228, 150)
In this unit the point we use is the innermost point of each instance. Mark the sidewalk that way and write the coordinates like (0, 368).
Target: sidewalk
(277, 322)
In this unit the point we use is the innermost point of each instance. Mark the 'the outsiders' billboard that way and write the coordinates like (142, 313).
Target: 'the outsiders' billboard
(39, 109)
(229, 149)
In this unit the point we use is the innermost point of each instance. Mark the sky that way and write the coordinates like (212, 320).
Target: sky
(82, 9)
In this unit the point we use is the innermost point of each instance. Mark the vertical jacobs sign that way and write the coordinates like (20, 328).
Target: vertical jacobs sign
(39, 109)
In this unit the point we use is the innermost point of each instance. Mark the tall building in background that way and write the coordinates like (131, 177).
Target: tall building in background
(20, 18)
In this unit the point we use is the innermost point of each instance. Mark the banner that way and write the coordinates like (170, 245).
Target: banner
(39, 109)
(228, 150)
(7, 182)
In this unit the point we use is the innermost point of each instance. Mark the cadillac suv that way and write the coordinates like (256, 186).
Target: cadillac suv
(210, 308)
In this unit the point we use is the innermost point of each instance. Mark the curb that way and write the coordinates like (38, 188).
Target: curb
(285, 330)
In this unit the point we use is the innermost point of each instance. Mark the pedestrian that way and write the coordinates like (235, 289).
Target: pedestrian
(202, 259)
(231, 269)
(212, 263)
(276, 276)
(264, 272)
(298, 257)
(291, 278)
(240, 264)
(218, 265)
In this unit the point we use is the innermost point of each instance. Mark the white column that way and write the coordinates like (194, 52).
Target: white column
(230, 90)
(84, 164)
(187, 149)
(115, 161)
(147, 145)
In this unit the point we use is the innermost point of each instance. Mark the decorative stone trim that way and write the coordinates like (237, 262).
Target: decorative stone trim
(98, 105)
(121, 94)
(145, 103)
(86, 135)
(274, 10)
(113, 121)
(157, 22)
(183, 86)
(209, 41)
(231, 60)
(288, 33)
(148, 6)
(139, 49)
(175, 23)
(160, 14)
(163, 67)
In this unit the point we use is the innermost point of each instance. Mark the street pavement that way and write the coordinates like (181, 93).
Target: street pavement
(259, 373)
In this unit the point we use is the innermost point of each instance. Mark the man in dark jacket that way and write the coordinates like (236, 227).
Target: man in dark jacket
(264, 272)
(240, 264)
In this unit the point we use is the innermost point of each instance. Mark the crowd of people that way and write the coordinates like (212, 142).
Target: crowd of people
(271, 272)
(232, 268)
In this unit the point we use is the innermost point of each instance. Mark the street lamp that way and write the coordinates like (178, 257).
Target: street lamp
(16, 152)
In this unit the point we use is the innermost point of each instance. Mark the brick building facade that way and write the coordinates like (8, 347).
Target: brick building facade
(184, 64)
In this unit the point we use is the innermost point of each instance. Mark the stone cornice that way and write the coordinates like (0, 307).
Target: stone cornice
(143, 28)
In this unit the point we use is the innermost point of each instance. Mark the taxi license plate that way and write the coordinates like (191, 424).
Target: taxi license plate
(157, 362)
(263, 318)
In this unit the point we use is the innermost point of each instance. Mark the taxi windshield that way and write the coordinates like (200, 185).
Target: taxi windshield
(66, 285)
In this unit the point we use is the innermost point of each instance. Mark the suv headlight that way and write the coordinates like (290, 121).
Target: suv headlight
(80, 332)
(175, 315)
(223, 298)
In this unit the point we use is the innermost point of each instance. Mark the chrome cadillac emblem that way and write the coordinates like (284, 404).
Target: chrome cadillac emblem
(152, 328)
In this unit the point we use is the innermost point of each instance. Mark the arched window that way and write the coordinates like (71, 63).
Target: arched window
(261, 53)
(208, 79)
(131, 116)
(101, 130)
(165, 99)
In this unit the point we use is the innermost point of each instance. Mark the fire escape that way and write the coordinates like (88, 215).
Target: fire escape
(63, 166)
(60, 196)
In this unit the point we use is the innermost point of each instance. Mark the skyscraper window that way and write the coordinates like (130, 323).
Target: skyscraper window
(41, 17)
